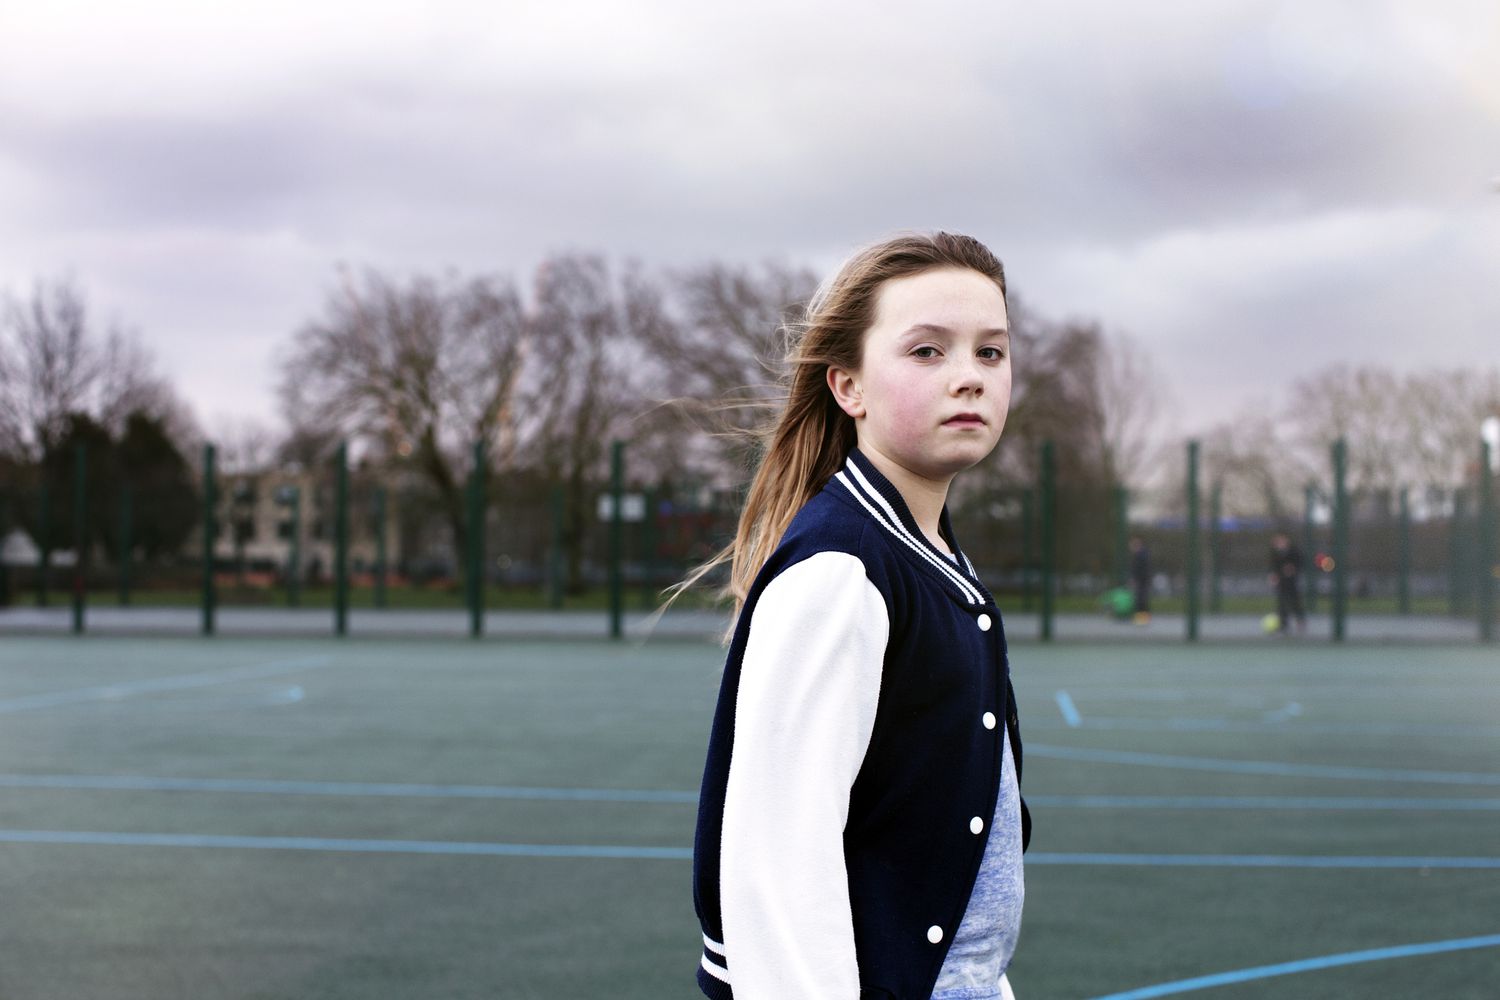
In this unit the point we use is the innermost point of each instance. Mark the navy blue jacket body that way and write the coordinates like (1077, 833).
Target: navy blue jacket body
(934, 754)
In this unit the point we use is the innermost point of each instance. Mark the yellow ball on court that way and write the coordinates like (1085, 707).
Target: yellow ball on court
(1270, 623)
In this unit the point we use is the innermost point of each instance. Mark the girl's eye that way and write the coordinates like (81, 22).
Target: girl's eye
(925, 352)
(991, 353)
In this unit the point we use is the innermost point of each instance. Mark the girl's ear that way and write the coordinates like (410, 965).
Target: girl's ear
(846, 392)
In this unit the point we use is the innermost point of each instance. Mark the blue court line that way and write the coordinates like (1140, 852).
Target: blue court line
(1373, 686)
(1282, 770)
(253, 786)
(1068, 709)
(1218, 725)
(1315, 802)
(71, 837)
(139, 783)
(1305, 965)
(125, 689)
(117, 839)
(1258, 861)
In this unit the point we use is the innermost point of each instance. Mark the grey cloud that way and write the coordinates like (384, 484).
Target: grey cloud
(1085, 131)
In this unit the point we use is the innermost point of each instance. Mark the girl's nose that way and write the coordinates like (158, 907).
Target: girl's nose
(968, 379)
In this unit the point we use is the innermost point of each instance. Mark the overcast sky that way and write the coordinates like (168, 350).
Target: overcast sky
(1254, 190)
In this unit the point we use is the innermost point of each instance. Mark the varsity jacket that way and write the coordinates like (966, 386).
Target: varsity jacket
(854, 759)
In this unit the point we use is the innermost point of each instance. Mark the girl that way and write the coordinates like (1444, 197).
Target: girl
(860, 826)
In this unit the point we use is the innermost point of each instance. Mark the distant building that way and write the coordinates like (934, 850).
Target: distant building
(257, 513)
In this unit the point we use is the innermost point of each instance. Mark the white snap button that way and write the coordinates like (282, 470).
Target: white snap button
(984, 623)
(976, 825)
(934, 933)
(989, 720)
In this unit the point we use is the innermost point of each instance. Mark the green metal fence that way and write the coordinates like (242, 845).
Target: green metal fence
(340, 537)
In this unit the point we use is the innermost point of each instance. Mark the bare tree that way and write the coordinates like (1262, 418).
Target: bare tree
(577, 390)
(421, 370)
(48, 367)
(1055, 397)
(305, 445)
(1440, 415)
(1133, 402)
(54, 363)
(719, 339)
(1247, 460)
(129, 384)
(1421, 430)
(1359, 405)
(665, 442)
(245, 446)
(730, 336)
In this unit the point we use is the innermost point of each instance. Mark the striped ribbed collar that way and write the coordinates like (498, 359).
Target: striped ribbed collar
(880, 498)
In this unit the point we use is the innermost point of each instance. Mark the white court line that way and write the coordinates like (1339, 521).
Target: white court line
(1068, 709)
(1290, 711)
(151, 685)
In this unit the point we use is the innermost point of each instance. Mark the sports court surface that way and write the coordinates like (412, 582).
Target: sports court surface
(440, 818)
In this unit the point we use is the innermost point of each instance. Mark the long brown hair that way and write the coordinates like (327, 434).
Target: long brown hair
(810, 438)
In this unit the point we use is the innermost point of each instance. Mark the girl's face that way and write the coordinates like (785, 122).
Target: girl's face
(933, 385)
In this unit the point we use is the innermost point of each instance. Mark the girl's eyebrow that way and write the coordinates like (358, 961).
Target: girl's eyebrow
(939, 329)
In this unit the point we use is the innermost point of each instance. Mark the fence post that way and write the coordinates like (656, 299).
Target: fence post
(616, 537)
(1309, 548)
(44, 542)
(341, 542)
(476, 542)
(1049, 537)
(210, 529)
(1193, 558)
(294, 557)
(1456, 549)
(648, 551)
(555, 552)
(380, 553)
(1028, 557)
(1215, 555)
(1122, 541)
(5, 527)
(80, 534)
(240, 499)
(1340, 540)
(1486, 546)
(122, 560)
(1403, 548)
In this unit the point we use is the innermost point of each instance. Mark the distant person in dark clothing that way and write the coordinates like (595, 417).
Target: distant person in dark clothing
(1140, 579)
(1286, 577)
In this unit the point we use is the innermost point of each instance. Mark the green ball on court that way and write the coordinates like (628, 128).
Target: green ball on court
(1270, 623)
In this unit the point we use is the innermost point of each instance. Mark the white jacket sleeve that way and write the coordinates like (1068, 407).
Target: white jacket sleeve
(809, 685)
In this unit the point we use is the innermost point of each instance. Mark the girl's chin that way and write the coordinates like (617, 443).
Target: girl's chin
(945, 463)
